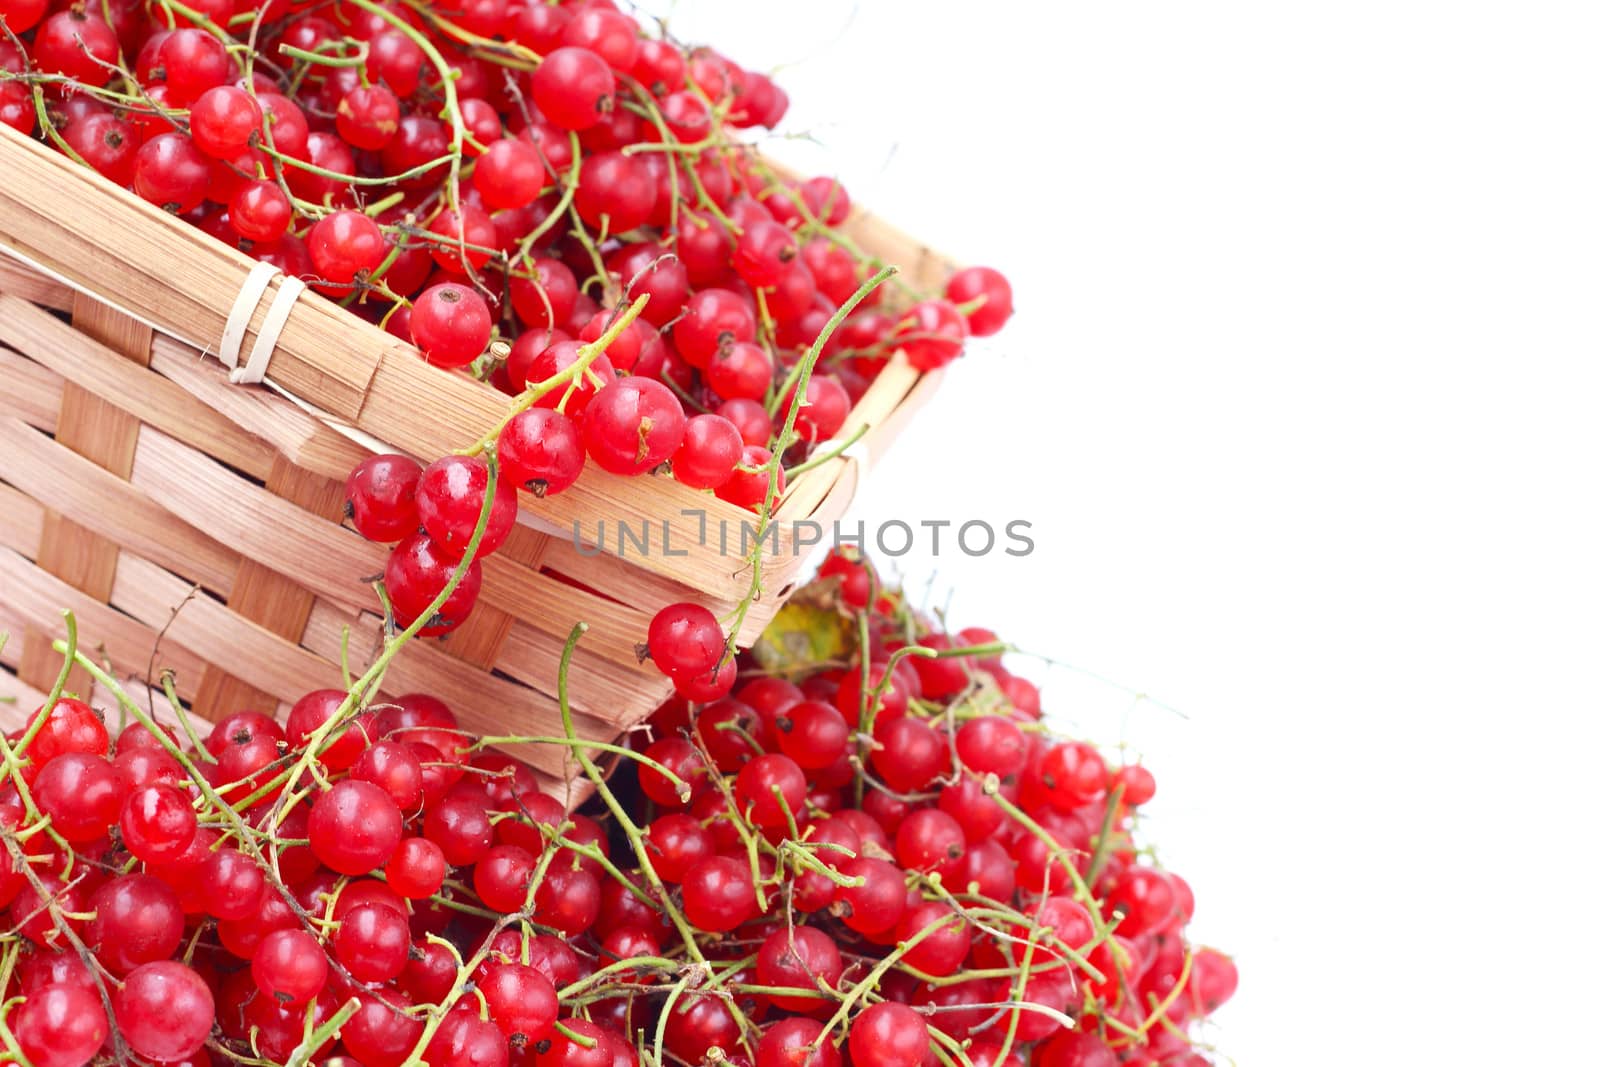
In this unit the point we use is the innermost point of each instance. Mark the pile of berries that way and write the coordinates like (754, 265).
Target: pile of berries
(495, 180)
(881, 860)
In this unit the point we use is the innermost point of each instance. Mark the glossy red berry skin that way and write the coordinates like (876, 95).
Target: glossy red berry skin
(633, 426)
(888, 1035)
(450, 498)
(801, 958)
(685, 639)
(932, 334)
(372, 942)
(60, 1025)
(751, 481)
(541, 450)
(417, 572)
(290, 966)
(82, 795)
(989, 285)
(711, 449)
(771, 791)
(170, 172)
(713, 319)
(573, 88)
(368, 117)
(451, 324)
(354, 827)
(345, 244)
(719, 894)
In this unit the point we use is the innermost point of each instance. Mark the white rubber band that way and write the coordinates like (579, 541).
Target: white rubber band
(244, 306)
(289, 290)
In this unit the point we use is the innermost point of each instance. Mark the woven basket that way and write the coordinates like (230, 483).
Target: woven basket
(194, 525)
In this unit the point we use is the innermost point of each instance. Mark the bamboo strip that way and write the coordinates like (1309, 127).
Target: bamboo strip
(96, 499)
(275, 601)
(134, 256)
(209, 630)
(106, 434)
(21, 523)
(108, 375)
(302, 438)
(22, 280)
(255, 522)
(36, 599)
(32, 393)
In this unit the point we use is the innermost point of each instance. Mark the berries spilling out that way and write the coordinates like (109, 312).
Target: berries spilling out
(876, 859)
(575, 167)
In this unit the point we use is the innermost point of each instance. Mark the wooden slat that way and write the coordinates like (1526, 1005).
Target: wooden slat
(478, 640)
(137, 257)
(270, 421)
(21, 280)
(257, 523)
(105, 434)
(277, 602)
(213, 634)
(96, 500)
(112, 377)
(32, 393)
(35, 600)
(21, 521)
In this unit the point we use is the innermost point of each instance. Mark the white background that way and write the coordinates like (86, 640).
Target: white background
(1300, 398)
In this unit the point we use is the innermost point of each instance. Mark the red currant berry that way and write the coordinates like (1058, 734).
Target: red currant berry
(983, 284)
(573, 88)
(417, 572)
(719, 894)
(542, 450)
(346, 244)
(451, 324)
(633, 426)
(450, 498)
(354, 827)
(710, 451)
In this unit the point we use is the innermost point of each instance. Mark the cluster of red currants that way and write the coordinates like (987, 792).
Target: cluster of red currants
(494, 180)
(884, 861)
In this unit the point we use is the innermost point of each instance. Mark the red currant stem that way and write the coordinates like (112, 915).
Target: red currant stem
(620, 814)
(1102, 845)
(54, 698)
(653, 113)
(874, 976)
(679, 784)
(801, 377)
(377, 208)
(1165, 1004)
(321, 1035)
(800, 856)
(50, 129)
(586, 355)
(1081, 891)
(200, 19)
(578, 988)
(169, 688)
(528, 57)
(817, 459)
(569, 190)
(678, 989)
(319, 59)
(572, 1035)
(451, 109)
(344, 657)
